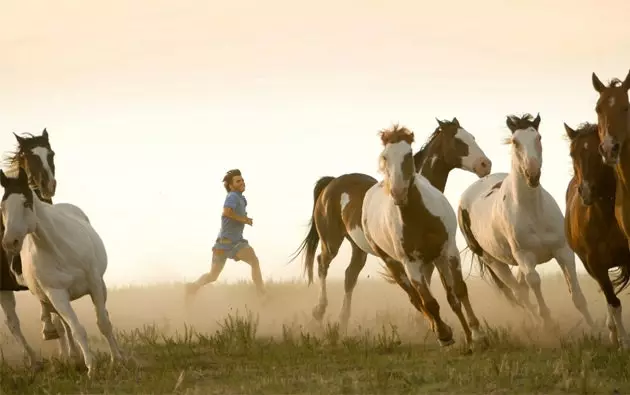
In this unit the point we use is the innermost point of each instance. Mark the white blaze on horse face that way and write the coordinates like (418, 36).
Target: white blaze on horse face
(43, 154)
(18, 222)
(529, 151)
(476, 161)
(391, 166)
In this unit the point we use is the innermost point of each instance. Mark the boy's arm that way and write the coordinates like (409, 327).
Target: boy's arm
(228, 210)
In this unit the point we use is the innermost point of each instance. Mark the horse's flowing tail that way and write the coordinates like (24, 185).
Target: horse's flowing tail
(312, 237)
(622, 278)
(463, 217)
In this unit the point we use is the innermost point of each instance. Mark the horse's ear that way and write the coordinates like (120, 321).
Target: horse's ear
(536, 122)
(45, 134)
(19, 139)
(3, 179)
(456, 122)
(439, 122)
(570, 132)
(597, 84)
(510, 124)
(626, 82)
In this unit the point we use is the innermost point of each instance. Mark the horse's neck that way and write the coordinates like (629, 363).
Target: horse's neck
(44, 233)
(523, 194)
(623, 167)
(436, 171)
(39, 195)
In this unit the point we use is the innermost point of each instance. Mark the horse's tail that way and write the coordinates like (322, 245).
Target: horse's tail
(387, 274)
(622, 278)
(312, 237)
(463, 218)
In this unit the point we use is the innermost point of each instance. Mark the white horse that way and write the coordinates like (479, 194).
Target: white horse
(406, 219)
(63, 258)
(510, 219)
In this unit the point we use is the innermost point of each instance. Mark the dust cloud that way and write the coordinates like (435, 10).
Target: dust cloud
(375, 304)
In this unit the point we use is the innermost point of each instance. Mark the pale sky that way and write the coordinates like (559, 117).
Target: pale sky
(148, 103)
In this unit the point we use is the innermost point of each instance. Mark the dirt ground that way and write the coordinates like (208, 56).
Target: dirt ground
(375, 303)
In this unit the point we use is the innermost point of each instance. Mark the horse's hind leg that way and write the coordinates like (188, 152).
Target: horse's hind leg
(7, 302)
(99, 298)
(614, 319)
(49, 330)
(566, 260)
(357, 262)
(329, 249)
(61, 302)
(461, 291)
(503, 273)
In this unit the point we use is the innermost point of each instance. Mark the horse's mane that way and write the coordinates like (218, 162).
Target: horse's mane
(421, 156)
(586, 128)
(614, 83)
(12, 159)
(396, 134)
(521, 122)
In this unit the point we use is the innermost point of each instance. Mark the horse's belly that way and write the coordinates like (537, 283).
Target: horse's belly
(358, 236)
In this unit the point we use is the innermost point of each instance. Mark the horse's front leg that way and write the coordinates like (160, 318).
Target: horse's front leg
(566, 260)
(7, 302)
(527, 265)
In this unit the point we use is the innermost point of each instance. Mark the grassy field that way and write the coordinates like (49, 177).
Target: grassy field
(228, 342)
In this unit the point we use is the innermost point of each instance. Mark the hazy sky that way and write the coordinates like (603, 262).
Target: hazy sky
(149, 102)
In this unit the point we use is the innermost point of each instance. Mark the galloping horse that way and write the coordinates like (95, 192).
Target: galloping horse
(63, 257)
(407, 220)
(614, 128)
(337, 205)
(35, 155)
(510, 219)
(590, 225)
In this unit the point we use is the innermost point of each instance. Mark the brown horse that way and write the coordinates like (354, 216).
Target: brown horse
(590, 225)
(337, 208)
(614, 128)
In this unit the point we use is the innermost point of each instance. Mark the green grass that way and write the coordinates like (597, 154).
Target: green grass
(235, 360)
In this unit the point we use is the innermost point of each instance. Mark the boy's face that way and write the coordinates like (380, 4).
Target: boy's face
(237, 184)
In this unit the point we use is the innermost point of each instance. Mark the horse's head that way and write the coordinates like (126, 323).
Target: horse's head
(35, 155)
(396, 162)
(457, 148)
(612, 117)
(526, 147)
(17, 211)
(592, 175)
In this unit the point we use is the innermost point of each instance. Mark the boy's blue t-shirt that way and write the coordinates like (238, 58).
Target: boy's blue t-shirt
(230, 228)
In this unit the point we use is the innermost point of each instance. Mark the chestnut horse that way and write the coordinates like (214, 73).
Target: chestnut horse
(590, 225)
(337, 206)
(614, 128)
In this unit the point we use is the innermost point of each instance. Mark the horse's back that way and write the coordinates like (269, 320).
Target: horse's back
(342, 199)
(481, 187)
(73, 211)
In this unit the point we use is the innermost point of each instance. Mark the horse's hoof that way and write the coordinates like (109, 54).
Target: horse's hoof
(318, 313)
(446, 343)
(50, 335)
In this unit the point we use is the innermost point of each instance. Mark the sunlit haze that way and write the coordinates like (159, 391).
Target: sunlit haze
(148, 103)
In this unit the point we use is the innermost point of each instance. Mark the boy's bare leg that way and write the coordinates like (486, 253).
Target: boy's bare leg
(248, 255)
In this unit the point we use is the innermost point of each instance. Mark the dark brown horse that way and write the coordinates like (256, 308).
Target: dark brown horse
(337, 208)
(35, 155)
(590, 225)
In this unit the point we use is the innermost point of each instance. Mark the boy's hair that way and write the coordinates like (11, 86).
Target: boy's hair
(229, 176)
